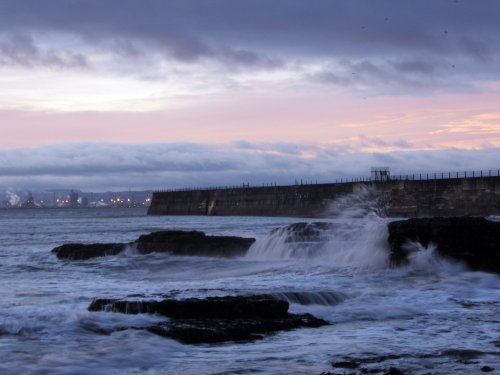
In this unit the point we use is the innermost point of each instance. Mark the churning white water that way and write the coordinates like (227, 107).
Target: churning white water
(360, 244)
(355, 236)
(431, 316)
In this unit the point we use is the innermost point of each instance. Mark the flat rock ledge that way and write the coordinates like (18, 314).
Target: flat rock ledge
(193, 243)
(78, 251)
(473, 240)
(185, 243)
(214, 319)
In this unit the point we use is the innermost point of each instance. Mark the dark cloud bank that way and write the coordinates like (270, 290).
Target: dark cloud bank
(20, 49)
(101, 167)
(419, 44)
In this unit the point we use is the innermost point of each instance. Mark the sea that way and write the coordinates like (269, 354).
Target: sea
(432, 316)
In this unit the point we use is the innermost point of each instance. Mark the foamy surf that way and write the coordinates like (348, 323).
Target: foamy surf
(337, 244)
(337, 271)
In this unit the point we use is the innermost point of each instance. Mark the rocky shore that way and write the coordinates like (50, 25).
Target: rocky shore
(79, 251)
(193, 243)
(213, 319)
(472, 240)
(185, 243)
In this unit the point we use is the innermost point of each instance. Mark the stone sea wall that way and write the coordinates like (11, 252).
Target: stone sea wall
(441, 196)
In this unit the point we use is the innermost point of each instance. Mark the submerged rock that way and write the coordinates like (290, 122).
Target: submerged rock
(214, 319)
(487, 369)
(473, 240)
(78, 251)
(193, 243)
(346, 364)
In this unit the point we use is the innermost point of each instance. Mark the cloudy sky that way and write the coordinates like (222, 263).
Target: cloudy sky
(119, 94)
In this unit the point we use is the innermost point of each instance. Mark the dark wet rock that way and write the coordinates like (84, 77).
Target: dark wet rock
(395, 371)
(467, 362)
(473, 240)
(214, 319)
(462, 354)
(352, 365)
(198, 331)
(346, 364)
(175, 242)
(381, 358)
(78, 251)
(487, 369)
(260, 306)
(193, 243)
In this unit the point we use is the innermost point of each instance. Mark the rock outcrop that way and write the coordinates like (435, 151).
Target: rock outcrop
(193, 243)
(257, 306)
(186, 243)
(214, 319)
(473, 240)
(78, 251)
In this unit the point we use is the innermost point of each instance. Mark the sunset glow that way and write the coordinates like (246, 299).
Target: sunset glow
(360, 77)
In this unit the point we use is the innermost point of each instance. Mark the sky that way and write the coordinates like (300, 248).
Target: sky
(121, 94)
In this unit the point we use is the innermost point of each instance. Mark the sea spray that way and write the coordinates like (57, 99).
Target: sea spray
(427, 259)
(325, 298)
(364, 202)
(355, 236)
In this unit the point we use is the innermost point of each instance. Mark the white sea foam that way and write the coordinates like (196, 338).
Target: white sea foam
(45, 326)
(428, 260)
(327, 298)
(354, 237)
(363, 203)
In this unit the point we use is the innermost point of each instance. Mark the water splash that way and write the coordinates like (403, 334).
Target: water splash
(364, 202)
(428, 260)
(325, 298)
(355, 236)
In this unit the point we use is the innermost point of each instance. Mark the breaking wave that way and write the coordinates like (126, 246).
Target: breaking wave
(361, 204)
(326, 298)
(428, 260)
(360, 244)
(354, 237)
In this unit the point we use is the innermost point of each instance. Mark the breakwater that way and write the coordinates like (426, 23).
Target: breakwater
(443, 194)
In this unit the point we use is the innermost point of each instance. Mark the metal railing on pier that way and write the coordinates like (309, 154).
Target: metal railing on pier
(349, 180)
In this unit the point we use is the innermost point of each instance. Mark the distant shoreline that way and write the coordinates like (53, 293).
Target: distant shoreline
(68, 208)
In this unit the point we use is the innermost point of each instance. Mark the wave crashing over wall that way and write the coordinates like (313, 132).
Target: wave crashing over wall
(354, 236)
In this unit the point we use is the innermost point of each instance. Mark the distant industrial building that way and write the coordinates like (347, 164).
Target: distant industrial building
(73, 199)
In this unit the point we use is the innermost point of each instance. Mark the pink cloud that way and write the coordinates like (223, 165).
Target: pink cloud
(423, 122)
